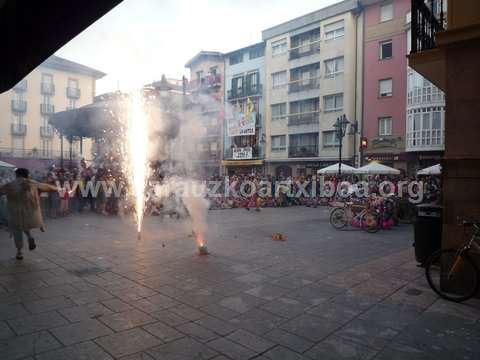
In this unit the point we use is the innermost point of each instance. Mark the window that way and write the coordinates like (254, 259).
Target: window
(279, 142)
(386, 50)
(279, 79)
(279, 47)
(386, 12)
(72, 104)
(252, 82)
(47, 78)
(256, 53)
(333, 67)
(334, 31)
(333, 102)
(47, 147)
(18, 142)
(213, 70)
(73, 83)
(279, 111)
(237, 84)
(199, 76)
(385, 126)
(236, 58)
(213, 147)
(385, 88)
(330, 139)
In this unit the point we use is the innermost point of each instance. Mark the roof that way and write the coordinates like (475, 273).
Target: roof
(249, 47)
(59, 63)
(316, 16)
(203, 54)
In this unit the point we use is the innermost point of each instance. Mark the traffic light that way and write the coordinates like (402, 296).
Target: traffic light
(364, 143)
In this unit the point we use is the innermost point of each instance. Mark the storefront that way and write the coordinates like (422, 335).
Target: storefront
(421, 160)
(397, 161)
(232, 167)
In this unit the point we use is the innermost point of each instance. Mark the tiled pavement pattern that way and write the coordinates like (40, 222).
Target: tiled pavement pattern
(93, 291)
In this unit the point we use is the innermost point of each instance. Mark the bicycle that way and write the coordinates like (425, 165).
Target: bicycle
(345, 214)
(452, 273)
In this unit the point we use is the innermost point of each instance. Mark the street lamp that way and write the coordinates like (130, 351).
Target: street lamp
(340, 130)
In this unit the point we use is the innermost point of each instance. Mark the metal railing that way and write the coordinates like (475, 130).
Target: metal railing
(254, 90)
(47, 109)
(305, 118)
(300, 151)
(73, 92)
(425, 24)
(304, 50)
(18, 129)
(46, 131)
(47, 88)
(21, 86)
(19, 106)
(207, 82)
(37, 153)
(304, 84)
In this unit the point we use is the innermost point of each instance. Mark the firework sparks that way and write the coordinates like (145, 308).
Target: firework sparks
(137, 147)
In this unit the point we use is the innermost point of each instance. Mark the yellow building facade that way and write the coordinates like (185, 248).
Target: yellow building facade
(25, 133)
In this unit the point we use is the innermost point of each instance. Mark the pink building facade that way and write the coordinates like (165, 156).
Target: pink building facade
(385, 82)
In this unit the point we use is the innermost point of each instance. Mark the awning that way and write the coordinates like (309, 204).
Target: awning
(333, 169)
(242, 162)
(377, 169)
(432, 170)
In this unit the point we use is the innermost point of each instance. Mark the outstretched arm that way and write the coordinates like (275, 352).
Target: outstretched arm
(46, 187)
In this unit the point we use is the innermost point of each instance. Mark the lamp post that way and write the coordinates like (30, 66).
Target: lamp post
(354, 131)
(340, 130)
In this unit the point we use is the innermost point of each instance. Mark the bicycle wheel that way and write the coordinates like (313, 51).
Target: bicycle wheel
(338, 218)
(453, 277)
(370, 222)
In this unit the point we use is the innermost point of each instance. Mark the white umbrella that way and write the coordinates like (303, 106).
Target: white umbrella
(6, 165)
(432, 170)
(333, 169)
(377, 168)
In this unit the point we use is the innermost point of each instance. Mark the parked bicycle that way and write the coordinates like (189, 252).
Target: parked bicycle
(360, 215)
(452, 273)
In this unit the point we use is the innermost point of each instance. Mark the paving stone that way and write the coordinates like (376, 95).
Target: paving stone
(218, 326)
(163, 331)
(267, 291)
(169, 318)
(5, 331)
(233, 287)
(182, 349)
(116, 305)
(241, 303)
(335, 348)
(282, 353)
(250, 341)
(311, 294)
(12, 311)
(257, 321)
(133, 293)
(27, 345)
(367, 333)
(401, 352)
(34, 323)
(91, 296)
(286, 307)
(392, 316)
(354, 301)
(219, 311)
(126, 319)
(138, 356)
(291, 282)
(334, 312)
(187, 312)
(128, 342)
(197, 332)
(85, 312)
(231, 349)
(84, 351)
(289, 340)
(55, 290)
(80, 331)
(311, 327)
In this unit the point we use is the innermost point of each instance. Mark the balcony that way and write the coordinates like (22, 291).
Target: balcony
(47, 109)
(46, 131)
(19, 106)
(304, 84)
(256, 153)
(207, 83)
(306, 118)
(73, 92)
(47, 88)
(304, 50)
(18, 129)
(37, 153)
(240, 93)
(303, 151)
(21, 86)
(425, 57)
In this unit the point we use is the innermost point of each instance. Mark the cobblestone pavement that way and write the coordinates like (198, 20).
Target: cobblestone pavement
(91, 290)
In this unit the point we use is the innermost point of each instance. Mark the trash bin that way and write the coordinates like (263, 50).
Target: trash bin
(428, 231)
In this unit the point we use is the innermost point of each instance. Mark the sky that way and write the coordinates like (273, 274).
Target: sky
(139, 40)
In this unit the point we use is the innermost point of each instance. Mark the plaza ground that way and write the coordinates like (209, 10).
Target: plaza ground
(91, 290)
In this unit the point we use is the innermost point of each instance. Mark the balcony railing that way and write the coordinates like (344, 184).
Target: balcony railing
(304, 84)
(73, 92)
(239, 93)
(425, 24)
(304, 50)
(18, 129)
(47, 109)
(47, 88)
(228, 153)
(46, 131)
(19, 106)
(206, 83)
(21, 86)
(37, 153)
(306, 118)
(301, 151)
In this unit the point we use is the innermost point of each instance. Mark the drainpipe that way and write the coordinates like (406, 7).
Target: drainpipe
(360, 152)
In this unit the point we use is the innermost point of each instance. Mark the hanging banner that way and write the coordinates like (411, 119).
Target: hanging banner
(241, 124)
(242, 153)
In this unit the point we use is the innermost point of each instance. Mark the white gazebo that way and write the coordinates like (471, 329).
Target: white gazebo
(432, 170)
(377, 169)
(333, 169)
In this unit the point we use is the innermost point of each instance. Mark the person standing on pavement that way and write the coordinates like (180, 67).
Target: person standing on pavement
(23, 207)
